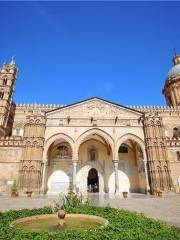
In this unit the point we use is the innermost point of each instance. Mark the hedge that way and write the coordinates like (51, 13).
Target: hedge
(123, 225)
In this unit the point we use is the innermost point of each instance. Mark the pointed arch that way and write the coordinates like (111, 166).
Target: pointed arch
(130, 136)
(52, 139)
(95, 131)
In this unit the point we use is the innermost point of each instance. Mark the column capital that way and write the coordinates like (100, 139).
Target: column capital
(115, 161)
(74, 161)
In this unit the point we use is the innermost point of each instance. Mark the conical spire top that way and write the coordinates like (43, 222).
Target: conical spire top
(13, 61)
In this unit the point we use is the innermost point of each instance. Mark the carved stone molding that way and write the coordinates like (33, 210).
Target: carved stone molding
(33, 142)
(35, 120)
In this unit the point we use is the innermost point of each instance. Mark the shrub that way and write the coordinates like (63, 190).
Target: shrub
(70, 200)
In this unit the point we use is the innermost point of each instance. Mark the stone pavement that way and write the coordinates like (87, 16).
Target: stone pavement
(166, 209)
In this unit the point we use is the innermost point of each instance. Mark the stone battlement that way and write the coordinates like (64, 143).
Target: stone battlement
(11, 141)
(173, 142)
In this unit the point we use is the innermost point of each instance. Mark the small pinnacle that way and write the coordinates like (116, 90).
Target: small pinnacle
(12, 61)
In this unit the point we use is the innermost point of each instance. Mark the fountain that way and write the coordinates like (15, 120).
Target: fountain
(59, 221)
(50, 222)
(61, 216)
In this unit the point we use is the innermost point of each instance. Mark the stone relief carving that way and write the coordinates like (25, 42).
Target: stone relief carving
(94, 108)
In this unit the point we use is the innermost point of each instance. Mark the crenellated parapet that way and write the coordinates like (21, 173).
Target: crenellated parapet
(35, 106)
(173, 142)
(160, 109)
(13, 141)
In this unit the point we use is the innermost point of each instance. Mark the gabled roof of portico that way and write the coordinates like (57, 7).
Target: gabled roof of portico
(95, 98)
(95, 107)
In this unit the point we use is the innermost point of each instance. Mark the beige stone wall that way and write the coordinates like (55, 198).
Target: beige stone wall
(115, 124)
(9, 166)
(175, 166)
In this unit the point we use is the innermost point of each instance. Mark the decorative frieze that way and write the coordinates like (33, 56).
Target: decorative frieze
(33, 141)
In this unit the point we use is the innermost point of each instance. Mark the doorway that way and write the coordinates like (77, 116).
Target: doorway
(93, 181)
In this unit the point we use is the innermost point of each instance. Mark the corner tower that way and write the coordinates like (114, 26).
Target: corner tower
(8, 75)
(172, 84)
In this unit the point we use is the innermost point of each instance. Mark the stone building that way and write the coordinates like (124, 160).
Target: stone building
(92, 145)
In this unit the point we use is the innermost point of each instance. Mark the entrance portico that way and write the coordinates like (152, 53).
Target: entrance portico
(77, 144)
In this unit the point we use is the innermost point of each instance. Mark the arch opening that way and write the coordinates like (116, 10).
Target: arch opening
(132, 167)
(59, 165)
(94, 158)
(93, 181)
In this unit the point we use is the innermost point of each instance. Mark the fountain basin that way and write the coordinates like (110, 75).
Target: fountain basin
(49, 222)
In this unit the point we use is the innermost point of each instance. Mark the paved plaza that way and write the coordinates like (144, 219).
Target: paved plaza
(166, 209)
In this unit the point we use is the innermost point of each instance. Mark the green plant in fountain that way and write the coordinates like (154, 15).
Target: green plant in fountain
(59, 204)
(70, 200)
(73, 200)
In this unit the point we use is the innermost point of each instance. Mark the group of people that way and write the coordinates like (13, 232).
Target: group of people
(93, 187)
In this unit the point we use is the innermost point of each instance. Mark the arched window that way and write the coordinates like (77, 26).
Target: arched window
(178, 155)
(176, 132)
(18, 131)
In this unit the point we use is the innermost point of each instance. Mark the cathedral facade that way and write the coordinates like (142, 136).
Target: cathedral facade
(94, 145)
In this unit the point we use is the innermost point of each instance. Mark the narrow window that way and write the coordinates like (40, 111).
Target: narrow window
(18, 131)
(4, 81)
(175, 131)
(1, 95)
(178, 155)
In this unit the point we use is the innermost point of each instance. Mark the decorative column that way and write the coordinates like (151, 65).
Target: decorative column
(146, 175)
(31, 171)
(44, 177)
(74, 171)
(116, 162)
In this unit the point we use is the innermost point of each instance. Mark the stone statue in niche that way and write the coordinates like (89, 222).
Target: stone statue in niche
(92, 154)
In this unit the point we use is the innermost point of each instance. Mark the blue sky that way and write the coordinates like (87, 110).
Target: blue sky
(69, 51)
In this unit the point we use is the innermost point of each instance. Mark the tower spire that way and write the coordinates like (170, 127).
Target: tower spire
(13, 61)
